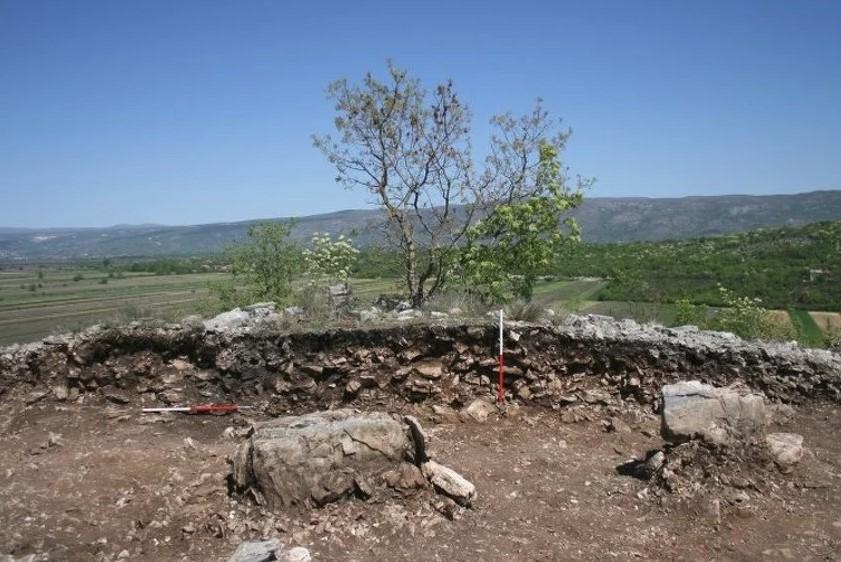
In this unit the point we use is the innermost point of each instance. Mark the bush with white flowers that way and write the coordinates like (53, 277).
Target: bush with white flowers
(329, 258)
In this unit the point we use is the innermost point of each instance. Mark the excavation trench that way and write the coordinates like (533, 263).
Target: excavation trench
(533, 460)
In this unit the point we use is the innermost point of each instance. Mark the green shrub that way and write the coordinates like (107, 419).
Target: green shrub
(265, 266)
(688, 313)
(747, 318)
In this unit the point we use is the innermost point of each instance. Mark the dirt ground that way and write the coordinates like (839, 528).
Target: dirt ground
(103, 482)
(827, 321)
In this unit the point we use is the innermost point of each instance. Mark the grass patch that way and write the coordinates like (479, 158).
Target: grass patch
(809, 333)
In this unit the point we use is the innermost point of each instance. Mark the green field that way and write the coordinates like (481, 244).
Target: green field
(60, 299)
(807, 329)
(34, 305)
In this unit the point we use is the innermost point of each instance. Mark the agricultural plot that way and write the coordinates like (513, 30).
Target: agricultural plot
(807, 330)
(661, 313)
(34, 305)
(828, 322)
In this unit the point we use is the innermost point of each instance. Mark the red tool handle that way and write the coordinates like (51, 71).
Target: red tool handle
(214, 409)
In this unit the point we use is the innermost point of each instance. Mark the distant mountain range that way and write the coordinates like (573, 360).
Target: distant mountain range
(603, 219)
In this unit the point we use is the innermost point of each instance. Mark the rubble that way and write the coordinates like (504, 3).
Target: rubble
(616, 425)
(717, 444)
(248, 317)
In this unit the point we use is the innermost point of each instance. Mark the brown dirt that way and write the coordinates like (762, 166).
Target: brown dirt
(154, 487)
(827, 321)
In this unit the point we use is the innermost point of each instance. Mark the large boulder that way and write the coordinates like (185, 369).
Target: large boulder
(693, 410)
(320, 457)
(314, 459)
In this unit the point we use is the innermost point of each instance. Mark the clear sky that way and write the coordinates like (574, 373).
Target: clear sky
(183, 112)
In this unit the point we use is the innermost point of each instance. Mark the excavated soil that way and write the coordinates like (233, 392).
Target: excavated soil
(86, 476)
(99, 481)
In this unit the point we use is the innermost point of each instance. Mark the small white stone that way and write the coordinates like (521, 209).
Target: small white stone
(297, 554)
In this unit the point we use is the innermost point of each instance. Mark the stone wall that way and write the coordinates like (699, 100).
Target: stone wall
(587, 360)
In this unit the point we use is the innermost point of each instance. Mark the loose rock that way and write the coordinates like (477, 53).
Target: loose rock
(786, 449)
(257, 551)
(449, 482)
(615, 425)
(297, 554)
(480, 409)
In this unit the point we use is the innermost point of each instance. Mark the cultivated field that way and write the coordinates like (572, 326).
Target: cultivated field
(37, 302)
(34, 305)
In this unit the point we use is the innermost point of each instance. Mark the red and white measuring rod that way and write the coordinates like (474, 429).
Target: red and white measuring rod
(500, 392)
(201, 409)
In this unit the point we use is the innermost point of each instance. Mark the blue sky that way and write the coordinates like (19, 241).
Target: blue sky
(183, 112)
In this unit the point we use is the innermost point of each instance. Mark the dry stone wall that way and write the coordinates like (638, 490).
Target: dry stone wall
(588, 360)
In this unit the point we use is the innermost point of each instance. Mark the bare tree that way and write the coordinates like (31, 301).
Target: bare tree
(411, 151)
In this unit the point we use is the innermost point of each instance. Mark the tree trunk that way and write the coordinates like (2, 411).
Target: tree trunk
(411, 257)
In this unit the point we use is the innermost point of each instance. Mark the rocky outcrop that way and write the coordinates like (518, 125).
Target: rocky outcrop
(319, 458)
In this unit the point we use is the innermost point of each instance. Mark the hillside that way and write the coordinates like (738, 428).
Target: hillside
(785, 267)
(603, 220)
